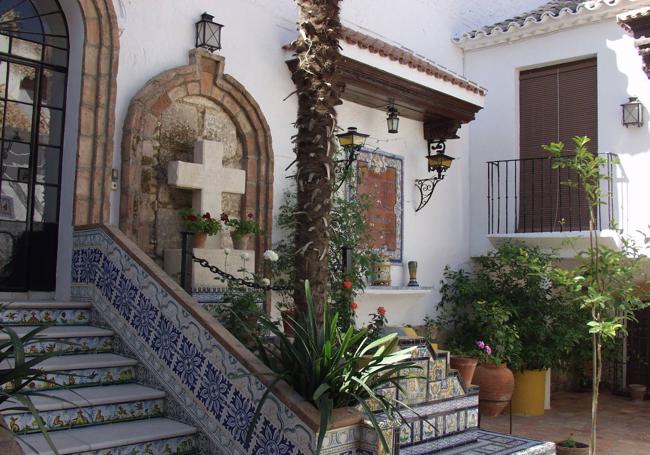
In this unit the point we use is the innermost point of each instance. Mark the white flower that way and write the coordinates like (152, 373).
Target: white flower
(245, 256)
(271, 255)
(226, 251)
(266, 282)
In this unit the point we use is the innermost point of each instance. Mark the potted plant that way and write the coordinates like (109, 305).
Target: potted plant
(637, 391)
(201, 225)
(241, 230)
(241, 311)
(571, 447)
(465, 362)
(495, 380)
(323, 364)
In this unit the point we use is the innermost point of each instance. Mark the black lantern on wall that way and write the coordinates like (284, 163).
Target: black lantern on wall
(208, 33)
(632, 112)
(393, 119)
(351, 141)
(437, 162)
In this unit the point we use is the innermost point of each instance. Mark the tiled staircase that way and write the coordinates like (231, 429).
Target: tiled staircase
(441, 414)
(93, 404)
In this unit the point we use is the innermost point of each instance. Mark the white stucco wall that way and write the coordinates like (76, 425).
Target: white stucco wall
(254, 33)
(495, 133)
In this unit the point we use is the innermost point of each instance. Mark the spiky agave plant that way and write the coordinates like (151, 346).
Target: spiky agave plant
(17, 372)
(333, 368)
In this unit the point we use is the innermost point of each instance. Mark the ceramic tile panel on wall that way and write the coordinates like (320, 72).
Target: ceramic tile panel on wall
(215, 388)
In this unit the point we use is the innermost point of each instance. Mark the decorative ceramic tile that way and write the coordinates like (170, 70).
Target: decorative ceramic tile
(214, 387)
(451, 423)
(44, 316)
(438, 370)
(481, 442)
(472, 418)
(73, 345)
(85, 377)
(462, 417)
(405, 434)
(86, 415)
(175, 446)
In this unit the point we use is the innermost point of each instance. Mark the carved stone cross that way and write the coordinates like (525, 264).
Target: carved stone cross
(207, 177)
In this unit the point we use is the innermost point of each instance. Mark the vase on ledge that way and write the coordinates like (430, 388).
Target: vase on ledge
(241, 242)
(199, 239)
(413, 274)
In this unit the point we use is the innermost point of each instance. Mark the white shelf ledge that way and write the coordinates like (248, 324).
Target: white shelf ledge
(398, 290)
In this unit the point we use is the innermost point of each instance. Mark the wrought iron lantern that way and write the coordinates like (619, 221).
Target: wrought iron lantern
(352, 141)
(208, 33)
(437, 162)
(632, 112)
(393, 119)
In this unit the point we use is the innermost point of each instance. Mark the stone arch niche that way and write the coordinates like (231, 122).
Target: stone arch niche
(169, 114)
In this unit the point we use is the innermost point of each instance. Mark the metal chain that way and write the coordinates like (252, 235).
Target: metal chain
(231, 278)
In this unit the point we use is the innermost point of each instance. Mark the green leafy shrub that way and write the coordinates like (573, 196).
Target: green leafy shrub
(516, 300)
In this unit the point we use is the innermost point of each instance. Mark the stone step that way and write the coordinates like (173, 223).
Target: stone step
(17, 315)
(431, 421)
(65, 338)
(481, 442)
(45, 304)
(82, 370)
(152, 436)
(62, 409)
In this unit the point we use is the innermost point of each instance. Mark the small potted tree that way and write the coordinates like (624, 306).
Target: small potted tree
(571, 447)
(201, 225)
(242, 230)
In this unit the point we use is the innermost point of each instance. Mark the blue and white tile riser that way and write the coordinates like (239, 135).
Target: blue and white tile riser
(202, 375)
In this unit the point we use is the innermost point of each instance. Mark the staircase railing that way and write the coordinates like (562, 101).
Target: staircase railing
(206, 369)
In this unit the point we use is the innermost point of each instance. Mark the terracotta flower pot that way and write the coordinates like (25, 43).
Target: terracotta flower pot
(199, 239)
(241, 242)
(465, 366)
(581, 449)
(637, 391)
(496, 384)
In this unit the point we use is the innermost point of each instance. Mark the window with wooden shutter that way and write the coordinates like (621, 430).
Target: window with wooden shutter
(556, 103)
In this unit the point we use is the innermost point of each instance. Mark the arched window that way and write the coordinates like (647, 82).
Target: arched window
(33, 76)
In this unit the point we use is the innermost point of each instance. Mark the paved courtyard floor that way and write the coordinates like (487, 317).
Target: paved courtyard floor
(624, 427)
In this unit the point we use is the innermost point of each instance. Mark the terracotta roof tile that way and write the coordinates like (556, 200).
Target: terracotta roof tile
(409, 58)
(553, 9)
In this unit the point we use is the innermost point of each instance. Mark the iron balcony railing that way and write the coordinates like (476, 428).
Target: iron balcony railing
(527, 195)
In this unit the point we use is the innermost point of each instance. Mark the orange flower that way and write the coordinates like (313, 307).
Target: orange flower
(381, 310)
(354, 306)
(347, 284)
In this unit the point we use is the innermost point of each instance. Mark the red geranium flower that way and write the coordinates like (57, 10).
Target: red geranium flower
(381, 310)
(354, 306)
(192, 217)
(250, 215)
(224, 216)
(347, 284)
(206, 216)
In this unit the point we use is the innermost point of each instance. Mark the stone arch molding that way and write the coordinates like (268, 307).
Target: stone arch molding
(94, 159)
(203, 76)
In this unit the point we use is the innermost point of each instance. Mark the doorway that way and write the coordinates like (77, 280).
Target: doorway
(33, 78)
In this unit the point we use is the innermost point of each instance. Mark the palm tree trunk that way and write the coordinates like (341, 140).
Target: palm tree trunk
(318, 90)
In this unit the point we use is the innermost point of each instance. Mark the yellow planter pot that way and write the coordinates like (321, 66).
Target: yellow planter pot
(528, 397)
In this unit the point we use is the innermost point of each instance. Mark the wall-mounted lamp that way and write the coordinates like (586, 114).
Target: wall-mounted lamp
(352, 141)
(393, 119)
(632, 112)
(208, 33)
(438, 163)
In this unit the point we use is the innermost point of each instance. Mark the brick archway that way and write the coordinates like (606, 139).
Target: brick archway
(203, 76)
(96, 113)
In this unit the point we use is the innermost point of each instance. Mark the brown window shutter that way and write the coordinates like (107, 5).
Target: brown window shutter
(556, 103)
